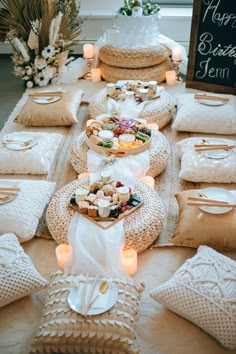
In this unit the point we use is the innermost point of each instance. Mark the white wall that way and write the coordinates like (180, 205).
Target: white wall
(175, 22)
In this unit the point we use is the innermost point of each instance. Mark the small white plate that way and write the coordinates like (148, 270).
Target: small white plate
(7, 183)
(20, 137)
(46, 100)
(101, 305)
(218, 194)
(212, 103)
(217, 154)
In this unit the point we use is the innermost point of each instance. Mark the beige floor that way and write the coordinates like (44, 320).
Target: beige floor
(159, 331)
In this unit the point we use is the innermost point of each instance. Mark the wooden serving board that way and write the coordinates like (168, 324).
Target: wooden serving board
(98, 220)
(121, 152)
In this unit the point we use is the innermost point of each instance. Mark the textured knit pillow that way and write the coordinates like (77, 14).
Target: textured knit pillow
(208, 166)
(193, 116)
(203, 291)
(21, 215)
(196, 227)
(36, 160)
(64, 331)
(18, 275)
(59, 113)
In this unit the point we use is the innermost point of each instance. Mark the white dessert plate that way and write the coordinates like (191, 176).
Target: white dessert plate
(7, 183)
(20, 138)
(212, 103)
(220, 194)
(46, 100)
(217, 154)
(101, 305)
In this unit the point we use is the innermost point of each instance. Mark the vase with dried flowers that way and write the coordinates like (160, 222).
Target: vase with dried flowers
(41, 33)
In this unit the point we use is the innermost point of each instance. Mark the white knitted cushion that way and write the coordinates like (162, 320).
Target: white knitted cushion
(18, 275)
(200, 167)
(193, 116)
(21, 215)
(203, 290)
(36, 160)
(63, 330)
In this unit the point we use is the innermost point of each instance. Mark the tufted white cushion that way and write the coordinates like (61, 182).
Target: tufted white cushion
(203, 291)
(21, 215)
(197, 167)
(18, 275)
(64, 331)
(193, 116)
(36, 160)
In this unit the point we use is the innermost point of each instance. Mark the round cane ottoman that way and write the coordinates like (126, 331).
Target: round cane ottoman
(160, 110)
(142, 227)
(159, 153)
(133, 58)
(156, 72)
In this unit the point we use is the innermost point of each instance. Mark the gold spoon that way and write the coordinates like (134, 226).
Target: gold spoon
(102, 290)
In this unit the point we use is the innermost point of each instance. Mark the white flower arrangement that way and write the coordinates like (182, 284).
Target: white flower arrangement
(41, 42)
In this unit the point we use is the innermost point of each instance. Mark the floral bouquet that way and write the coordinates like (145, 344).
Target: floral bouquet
(130, 6)
(41, 33)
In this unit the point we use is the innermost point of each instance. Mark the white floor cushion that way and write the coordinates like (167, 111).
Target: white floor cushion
(203, 291)
(18, 275)
(208, 166)
(193, 116)
(21, 215)
(36, 160)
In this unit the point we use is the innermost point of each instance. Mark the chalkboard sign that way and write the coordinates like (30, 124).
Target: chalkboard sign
(212, 53)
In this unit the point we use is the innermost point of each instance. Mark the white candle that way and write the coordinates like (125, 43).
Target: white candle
(177, 54)
(62, 253)
(88, 50)
(149, 181)
(129, 261)
(83, 175)
(153, 126)
(170, 78)
(96, 75)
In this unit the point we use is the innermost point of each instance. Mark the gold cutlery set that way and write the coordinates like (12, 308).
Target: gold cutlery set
(212, 147)
(192, 201)
(210, 98)
(88, 299)
(6, 192)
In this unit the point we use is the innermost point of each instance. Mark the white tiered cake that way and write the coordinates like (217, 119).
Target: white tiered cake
(134, 32)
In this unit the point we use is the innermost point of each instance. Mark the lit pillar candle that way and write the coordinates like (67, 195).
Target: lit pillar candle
(83, 175)
(170, 77)
(62, 253)
(177, 54)
(149, 181)
(153, 126)
(88, 50)
(96, 74)
(129, 261)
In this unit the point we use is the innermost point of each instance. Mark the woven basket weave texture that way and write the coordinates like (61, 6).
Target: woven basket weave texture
(142, 227)
(158, 111)
(133, 58)
(159, 153)
(155, 72)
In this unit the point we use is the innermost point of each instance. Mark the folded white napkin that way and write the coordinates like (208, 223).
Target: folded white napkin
(94, 250)
(126, 169)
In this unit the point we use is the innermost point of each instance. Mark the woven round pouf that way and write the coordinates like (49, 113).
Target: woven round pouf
(159, 153)
(156, 72)
(158, 111)
(142, 227)
(133, 58)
